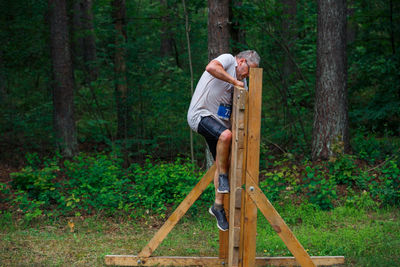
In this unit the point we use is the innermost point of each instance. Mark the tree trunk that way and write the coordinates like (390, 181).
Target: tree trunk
(237, 31)
(392, 41)
(121, 88)
(89, 41)
(218, 39)
(330, 129)
(3, 93)
(84, 43)
(289, 38)
(218, 28)
(77, 45)
(63, 86)
(167, 47)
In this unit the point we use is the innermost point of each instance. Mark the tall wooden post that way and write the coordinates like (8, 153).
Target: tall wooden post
(246, 124)
(249, 228)
(236, 174)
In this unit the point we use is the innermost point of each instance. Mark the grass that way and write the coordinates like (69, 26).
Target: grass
(365, 238)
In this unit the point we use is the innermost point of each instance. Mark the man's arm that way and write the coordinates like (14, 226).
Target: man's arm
(216, 69)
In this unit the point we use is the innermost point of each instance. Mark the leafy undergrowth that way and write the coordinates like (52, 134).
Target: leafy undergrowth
(92, 184)
(98, 184)
(365, 238)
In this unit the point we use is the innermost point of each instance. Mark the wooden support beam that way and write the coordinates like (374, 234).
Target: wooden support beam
(131, 260)
(249, 229)
(236, 172)
(279, 225)
(224, 235)
(178, 213)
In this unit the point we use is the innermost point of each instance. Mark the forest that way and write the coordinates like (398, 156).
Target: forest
(94, 97)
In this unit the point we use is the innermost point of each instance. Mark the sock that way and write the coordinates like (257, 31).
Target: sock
(218, 206)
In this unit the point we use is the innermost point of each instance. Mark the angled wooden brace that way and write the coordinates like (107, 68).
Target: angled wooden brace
(178, 213)
(278, 224)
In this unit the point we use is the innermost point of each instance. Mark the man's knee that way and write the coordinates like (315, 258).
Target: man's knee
(225, 137)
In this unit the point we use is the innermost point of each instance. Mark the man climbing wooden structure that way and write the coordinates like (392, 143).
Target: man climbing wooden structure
(238, 245)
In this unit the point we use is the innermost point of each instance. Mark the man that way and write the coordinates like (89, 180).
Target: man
(209, 115)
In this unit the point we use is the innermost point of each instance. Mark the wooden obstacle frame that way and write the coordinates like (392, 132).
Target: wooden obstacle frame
(237, 247)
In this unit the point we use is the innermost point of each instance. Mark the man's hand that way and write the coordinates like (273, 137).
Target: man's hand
(238, 83)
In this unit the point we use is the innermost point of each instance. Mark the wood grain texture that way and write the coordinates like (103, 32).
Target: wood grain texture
(252, 164)
(132, 260)
(235, 174)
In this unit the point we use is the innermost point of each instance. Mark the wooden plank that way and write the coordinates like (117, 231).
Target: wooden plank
(243, 195)
(252, 164)
(279, 225)
(291, 261)
(126, 260)
(232, 180)
(178, 213)
(235, 174)
(132, 260)
(238, 105)
(224, 235)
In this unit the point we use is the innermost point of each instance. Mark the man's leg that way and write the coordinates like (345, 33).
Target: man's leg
(222, 161)
(219, 141)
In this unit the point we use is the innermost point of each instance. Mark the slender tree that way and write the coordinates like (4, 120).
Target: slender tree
(84, 41)
(288, 38)
(187, 30)
(63, 81)
(121, 87)
(331, 127)
(77, 45)
(3, 93)
(89, 41)
(168, 47)
(167, 42)
(122, 92)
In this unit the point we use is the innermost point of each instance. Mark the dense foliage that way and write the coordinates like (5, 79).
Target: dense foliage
(155, 179)
(160, 85)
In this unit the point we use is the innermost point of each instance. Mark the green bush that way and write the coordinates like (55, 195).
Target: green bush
(320, 187)
(282, 181)
(362, 201)
(95, 184)
(163, 185)
(38, 183)
(386, 185)
(273, 185)
(370, 148)
(99, 184)
(343, 169)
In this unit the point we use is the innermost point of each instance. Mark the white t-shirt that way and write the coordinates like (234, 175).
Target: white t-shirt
(210, 93)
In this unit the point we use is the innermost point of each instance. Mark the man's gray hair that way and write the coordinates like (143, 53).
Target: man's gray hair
(251, 56)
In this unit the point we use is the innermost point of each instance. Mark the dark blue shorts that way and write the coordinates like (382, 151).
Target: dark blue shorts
(211, 129)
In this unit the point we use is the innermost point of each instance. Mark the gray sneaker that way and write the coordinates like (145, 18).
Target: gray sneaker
(222, 223)
(223, 184)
